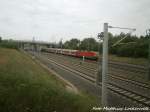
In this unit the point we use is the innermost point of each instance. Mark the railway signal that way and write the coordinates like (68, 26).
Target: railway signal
(100, 35)
(98, 74)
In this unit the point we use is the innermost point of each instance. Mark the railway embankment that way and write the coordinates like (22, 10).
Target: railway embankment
(26, 86)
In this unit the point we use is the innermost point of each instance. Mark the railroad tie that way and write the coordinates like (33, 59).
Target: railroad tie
(123, 92)
(128, 94)
(132, 95)
(137, 97)
(119, 90)
(143, 99)
(148, 102)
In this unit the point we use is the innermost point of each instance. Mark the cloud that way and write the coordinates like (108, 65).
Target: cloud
(66, 19)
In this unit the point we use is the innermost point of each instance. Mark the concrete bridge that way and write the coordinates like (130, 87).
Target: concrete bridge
(33, 45)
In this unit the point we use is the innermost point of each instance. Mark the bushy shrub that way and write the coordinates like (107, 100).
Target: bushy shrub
(133, 50)
(9, 44)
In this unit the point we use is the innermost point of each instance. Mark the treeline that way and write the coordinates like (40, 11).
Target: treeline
(8, 44)
(88, 44)
(135, 50)
(131, 46)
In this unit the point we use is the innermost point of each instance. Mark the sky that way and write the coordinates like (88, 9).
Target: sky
(52, 20)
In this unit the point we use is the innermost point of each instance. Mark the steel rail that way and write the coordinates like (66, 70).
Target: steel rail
(144, 85)
(140, 99)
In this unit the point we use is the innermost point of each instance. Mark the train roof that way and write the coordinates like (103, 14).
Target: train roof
(62, 49)
(70, 50)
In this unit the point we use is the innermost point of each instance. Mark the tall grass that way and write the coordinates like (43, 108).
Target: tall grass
(26, 87)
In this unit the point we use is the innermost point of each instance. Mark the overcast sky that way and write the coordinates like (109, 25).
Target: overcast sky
(51, 20)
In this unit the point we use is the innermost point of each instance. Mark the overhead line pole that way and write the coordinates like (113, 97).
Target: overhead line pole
(105, 66)
(105, 62)
(148, 34)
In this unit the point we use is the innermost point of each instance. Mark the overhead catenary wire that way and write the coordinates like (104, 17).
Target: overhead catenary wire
(131, 31)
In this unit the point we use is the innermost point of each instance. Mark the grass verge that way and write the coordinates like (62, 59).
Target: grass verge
(129, 60)
(136, 61)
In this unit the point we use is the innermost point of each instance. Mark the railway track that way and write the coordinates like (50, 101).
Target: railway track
(134, 96)
(92, 69)
(118, 65)
(137, 85)
(83, 69)
(125, 66)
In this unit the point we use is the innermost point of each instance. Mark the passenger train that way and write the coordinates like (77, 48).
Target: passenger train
(75, 53)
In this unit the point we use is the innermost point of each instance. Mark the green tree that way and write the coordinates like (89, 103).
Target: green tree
(89, 44)
(72, 44)
(0, 39)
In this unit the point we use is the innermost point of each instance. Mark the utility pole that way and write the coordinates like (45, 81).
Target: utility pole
(61, 43)
(148, 34)
(34, 45)
(105, 66)
(88, 45)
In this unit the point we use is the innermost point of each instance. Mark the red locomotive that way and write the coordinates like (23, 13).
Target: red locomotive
(75, 53)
